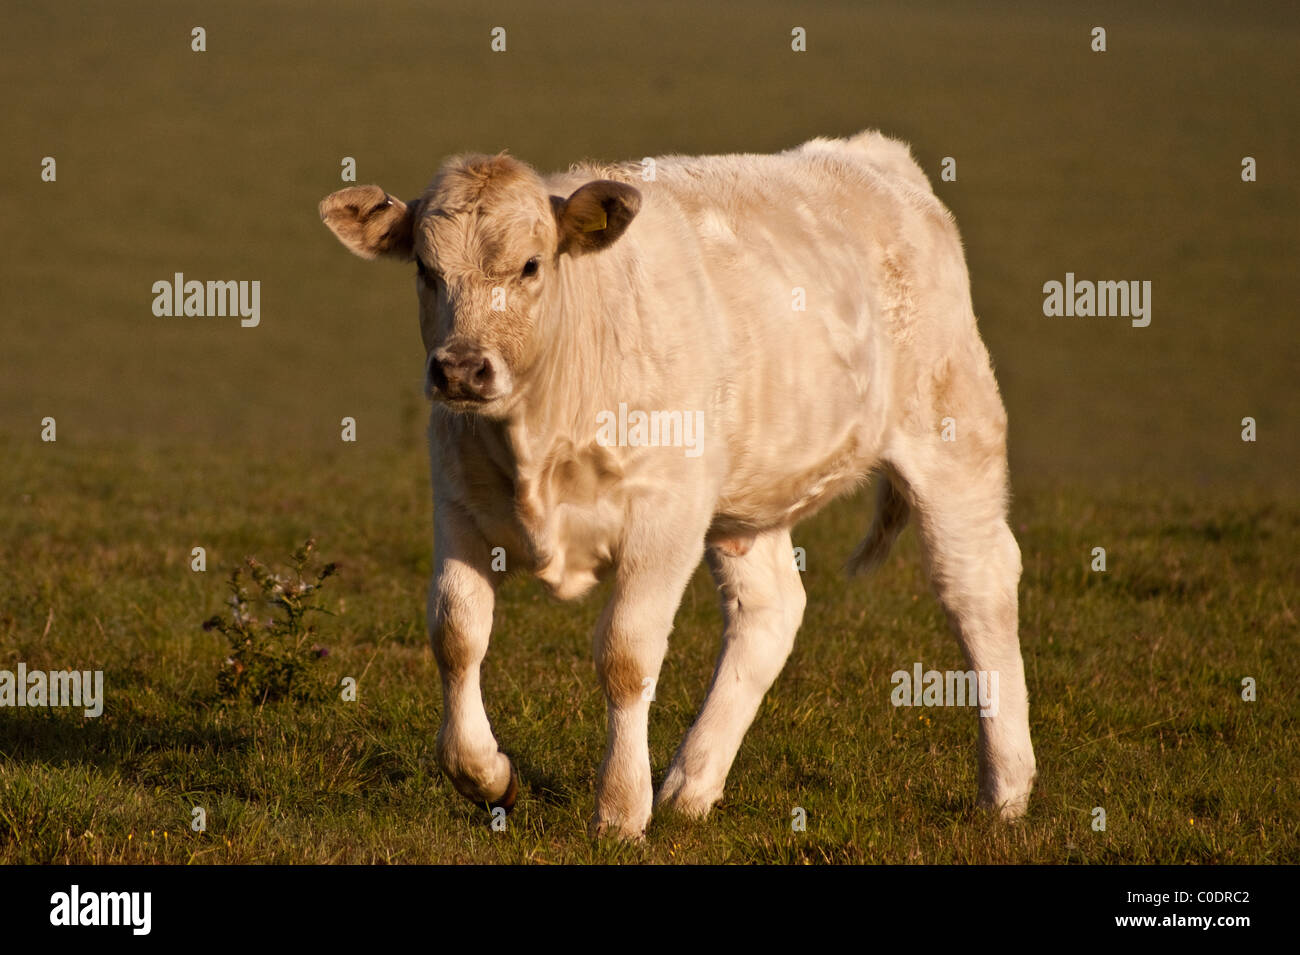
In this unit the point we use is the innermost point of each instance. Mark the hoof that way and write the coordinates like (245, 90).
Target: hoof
(680, 794)
(507, 801)
(598, 828)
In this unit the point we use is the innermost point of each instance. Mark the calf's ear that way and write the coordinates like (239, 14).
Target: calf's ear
(370, 222)
(595, 215)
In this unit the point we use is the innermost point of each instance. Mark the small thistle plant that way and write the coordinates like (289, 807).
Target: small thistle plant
(271, 659)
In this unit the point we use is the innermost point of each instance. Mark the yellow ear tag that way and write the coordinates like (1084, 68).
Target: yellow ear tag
(596, 225)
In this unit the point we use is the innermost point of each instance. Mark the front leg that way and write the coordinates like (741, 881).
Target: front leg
(461, 599)
(762, 605)
(631, 639)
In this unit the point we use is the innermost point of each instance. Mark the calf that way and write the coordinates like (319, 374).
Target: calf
(806, 315)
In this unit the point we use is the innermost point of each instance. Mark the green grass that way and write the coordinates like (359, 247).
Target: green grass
(178, 432)
(1134, 678)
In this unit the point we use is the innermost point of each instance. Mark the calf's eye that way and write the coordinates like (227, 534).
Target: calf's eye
(530, 267)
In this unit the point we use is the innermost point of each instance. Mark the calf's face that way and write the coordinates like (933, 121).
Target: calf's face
(488, 242)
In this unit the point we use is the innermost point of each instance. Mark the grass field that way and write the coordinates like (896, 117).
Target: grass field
(179, 432)
(1134, 678)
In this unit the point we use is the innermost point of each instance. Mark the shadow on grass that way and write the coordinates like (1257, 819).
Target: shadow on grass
(43, 737)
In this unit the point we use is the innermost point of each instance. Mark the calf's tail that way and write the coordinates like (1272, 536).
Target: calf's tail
(891, 517)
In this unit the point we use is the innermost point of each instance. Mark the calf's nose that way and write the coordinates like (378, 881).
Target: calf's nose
(463, 373)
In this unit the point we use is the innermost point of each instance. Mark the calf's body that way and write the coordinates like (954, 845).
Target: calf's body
(790, 324)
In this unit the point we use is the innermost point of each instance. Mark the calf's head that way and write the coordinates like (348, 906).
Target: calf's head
(488, 242)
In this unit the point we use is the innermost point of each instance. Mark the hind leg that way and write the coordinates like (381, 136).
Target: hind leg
(762, 606)
(973, 562)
